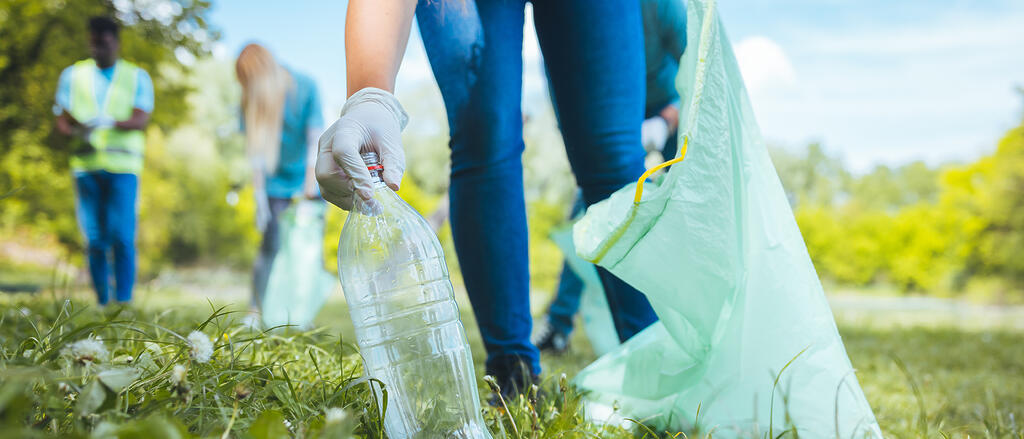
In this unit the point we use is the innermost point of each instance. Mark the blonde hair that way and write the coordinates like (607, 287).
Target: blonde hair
(265, 85)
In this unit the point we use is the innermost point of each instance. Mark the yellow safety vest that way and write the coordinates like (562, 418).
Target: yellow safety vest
(114, 150)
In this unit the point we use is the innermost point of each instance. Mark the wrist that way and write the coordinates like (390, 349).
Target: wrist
(380, 97)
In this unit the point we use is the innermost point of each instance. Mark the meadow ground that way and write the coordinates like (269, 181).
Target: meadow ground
(929, 367)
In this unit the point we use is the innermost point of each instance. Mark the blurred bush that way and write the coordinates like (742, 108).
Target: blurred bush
(926, 229)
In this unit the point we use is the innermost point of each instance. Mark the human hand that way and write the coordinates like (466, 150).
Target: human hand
(371, 121)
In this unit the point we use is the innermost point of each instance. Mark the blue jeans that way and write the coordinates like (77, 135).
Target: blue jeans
(594, 52)
(106, 214)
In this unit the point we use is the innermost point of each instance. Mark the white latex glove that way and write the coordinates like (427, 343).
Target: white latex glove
(371, 121)
(654, 134)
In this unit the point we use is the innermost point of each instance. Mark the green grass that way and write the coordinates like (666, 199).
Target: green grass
(969, 382)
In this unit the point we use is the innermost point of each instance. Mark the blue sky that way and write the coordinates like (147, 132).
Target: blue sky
(875, 81)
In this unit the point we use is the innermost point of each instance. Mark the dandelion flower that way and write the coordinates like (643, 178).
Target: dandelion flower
(334, 415)
(200, 347)
(177, 375)
(86, 351)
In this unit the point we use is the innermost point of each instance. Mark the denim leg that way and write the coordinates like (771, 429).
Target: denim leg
(89, 196)
(268, 250)
(120, 224)
(570, 287)
(475, 51)
(595, 58)
(567, 301)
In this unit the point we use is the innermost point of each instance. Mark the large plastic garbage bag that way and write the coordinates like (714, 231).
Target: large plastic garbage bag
(597, 318)
(714, 246)
(298, 285)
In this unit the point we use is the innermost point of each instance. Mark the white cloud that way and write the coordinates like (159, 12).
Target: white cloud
(936, 88)
(764, 65)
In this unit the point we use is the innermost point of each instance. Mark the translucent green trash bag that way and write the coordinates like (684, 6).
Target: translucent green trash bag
(597, 319)
(298, 285)
(714, 246)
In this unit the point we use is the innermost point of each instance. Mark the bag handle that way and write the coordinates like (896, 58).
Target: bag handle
(640, 182)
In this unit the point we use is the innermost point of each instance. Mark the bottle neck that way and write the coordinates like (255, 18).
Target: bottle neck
(373, 165)
(376, 175)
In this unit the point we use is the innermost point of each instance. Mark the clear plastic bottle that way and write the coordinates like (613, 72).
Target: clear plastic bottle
(395, 279)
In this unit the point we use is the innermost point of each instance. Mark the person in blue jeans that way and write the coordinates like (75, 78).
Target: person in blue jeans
(102, 106)
(595, 59)
(282, 119)
(664, 24)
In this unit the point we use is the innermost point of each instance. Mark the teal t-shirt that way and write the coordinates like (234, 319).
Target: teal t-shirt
(301, 114)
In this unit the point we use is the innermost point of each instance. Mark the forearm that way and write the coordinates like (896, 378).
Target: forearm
(312, 149)
(376, 33)
(65, 124)
(671, 115)
(138, 121)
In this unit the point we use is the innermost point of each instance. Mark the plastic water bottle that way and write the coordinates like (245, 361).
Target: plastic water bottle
(407, 324)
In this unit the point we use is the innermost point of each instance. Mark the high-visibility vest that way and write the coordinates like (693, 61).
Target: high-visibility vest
(114, 150)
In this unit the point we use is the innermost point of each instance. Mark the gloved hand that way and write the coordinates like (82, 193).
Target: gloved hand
(654, 134)
(371, 121)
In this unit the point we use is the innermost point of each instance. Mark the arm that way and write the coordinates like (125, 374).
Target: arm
(671, 115)
(314, 126)
(143, 105)
(376, 33)
(66, 124)
(309, 189)
(138, 121)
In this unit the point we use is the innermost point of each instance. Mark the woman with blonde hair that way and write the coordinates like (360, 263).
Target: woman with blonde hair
(282, 121)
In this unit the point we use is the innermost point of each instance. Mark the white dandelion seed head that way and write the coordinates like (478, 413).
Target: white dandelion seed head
(200, 347)
(86, 351)
(177, 375)
(334, 415)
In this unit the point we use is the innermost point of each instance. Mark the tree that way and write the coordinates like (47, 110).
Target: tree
(811, 177)
(993, 190)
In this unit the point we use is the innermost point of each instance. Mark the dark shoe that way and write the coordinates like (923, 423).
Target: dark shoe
(549, 339)
(512, 377)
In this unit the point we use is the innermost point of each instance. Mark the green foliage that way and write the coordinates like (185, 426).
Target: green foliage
(66, 370)
(810, 178)
(142, 372)
(993, 190)
(918, 228)
(184, 213)
(967, 380)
